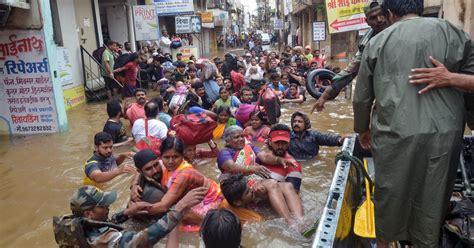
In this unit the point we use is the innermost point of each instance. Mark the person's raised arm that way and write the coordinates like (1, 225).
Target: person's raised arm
(174, 193)
(267, 157)
(234, 168)
(154, 233)
(120, 158)
(105, 176)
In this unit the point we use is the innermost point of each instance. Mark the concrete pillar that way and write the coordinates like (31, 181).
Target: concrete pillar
(51, 53)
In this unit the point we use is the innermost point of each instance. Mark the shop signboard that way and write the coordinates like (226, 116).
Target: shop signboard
(188, 24)
(26, 90)
(345, 15)
(207, 17)
(186, 52)
(172, 7)
(278, 24)
(146, 22)
(73, 92)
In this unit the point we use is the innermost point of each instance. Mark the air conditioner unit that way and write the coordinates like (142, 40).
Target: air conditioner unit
(5, 8)
(24, 4)
(4, 13)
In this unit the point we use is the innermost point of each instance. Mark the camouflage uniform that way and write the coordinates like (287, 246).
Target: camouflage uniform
(110, 237)
(88, 197)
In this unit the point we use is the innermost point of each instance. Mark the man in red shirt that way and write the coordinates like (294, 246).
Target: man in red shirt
(136, 110)
(131, 72)
(317, 58)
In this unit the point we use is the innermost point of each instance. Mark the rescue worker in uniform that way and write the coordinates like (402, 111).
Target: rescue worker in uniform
(415, 139)
(91, 206)
(375, 18)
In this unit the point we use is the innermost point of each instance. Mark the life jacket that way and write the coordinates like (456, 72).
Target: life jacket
(86, 180)
(70, 231)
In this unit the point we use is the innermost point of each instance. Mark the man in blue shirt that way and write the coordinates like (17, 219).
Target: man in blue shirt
(103, 166)
(304, 143)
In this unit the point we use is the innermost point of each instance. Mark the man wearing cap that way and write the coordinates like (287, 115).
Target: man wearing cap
(278, 143)
(179, 57)
(180, 73)
(247, 60)
(92, 205)
(305, 143)
(147, 184)
(377, 21)
(307, 53)
(415, 140)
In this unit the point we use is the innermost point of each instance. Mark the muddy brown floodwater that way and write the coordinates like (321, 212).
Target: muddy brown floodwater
(38, 174)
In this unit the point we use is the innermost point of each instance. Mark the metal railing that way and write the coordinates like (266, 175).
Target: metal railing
(91, 70)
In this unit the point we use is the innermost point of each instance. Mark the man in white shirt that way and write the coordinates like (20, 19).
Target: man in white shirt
(165, 42)
(155, 127)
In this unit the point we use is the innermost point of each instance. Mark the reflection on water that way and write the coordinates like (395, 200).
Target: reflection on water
(38, 175)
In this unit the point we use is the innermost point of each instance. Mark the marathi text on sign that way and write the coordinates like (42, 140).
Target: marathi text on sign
(26, 89)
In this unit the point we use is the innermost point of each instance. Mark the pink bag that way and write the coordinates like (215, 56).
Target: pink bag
(242, 114)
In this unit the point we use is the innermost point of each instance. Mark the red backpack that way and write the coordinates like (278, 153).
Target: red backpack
(148, 142)
(193, 129)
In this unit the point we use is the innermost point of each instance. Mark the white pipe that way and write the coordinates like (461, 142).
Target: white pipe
(131, 27)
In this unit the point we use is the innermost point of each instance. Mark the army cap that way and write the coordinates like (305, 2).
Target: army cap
(372, 5)
(88, 197)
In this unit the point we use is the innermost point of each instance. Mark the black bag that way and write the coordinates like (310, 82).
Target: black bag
(458, 228)
(97, 54)
(122, 60)
(175, 44)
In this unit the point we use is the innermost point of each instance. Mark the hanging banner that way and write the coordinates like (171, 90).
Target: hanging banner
(26, 91)
(145, 21)
(73, 92)
(188, 24)
(172, 7)
(346, 15)
(187, 52)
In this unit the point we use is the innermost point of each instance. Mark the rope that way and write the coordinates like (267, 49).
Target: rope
(359, 165)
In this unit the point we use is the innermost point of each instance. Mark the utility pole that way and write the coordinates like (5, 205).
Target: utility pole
(226, 8)
(279, 5)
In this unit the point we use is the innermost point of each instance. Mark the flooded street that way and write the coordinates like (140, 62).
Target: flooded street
(38, 175)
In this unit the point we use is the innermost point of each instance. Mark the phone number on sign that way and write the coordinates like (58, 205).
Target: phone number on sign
(33, 128)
